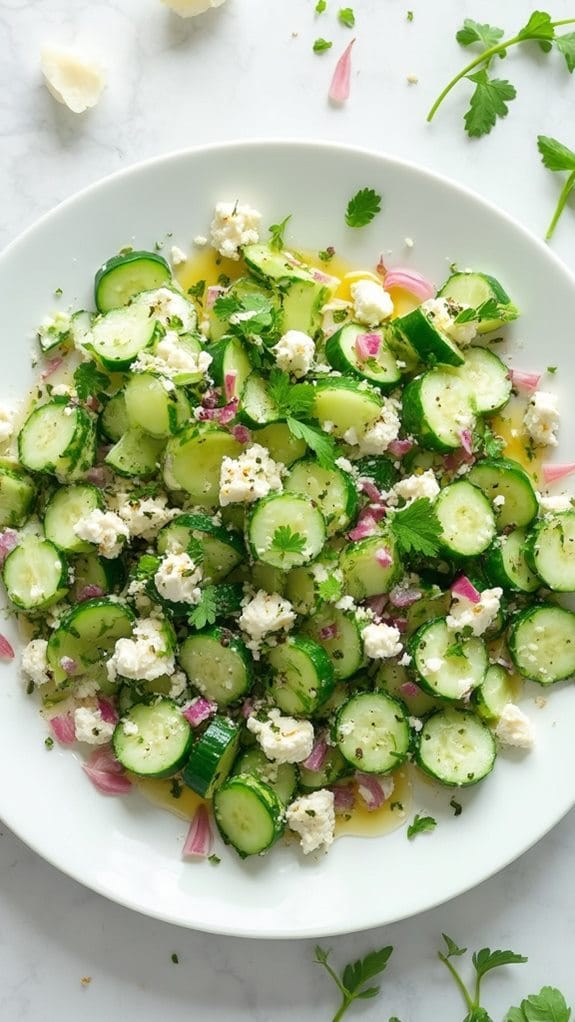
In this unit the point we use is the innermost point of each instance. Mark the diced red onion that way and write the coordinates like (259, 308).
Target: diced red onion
(367, 346)
(377, 511)
(370, 489)
(396, 622)
(63, 727)
(328, 632)
(107, 711)
(411, 281)
(6, 650)
(103, 451)
(553, 473)
(466, 440)
(230, 385)
(103, 758)
(458, 458)
(199, 711)
(366, 526)
(378, 603)
(247, 708)
(199, 840)
(398, 448)
(383, 557)
(409, 689)
(213, 293)
(404, 597)
(464, 588)
(228, 412)
(52, 367)
(316, 758)
(89, 592)
(241, 434)
(322, 278)
(340, 83)
(92, 403)
(211, 398)
(208, 414)
(8, 542)
(524, 381)
(68, 665)
(371, 790)
(343, 798)
(98, 476)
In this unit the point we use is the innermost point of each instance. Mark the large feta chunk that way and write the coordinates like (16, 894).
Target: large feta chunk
(295, 352)
(171, 309)
(250, 477)
(443, 314)
(371, 302)
(180, 359)
(34, 662)
(553, 504)
(145, 516)
(191, 8)
(515, 728)
(313, 818)
(381, 641)
(234, 225)
(382, 433)
(178, 578)
(265, 613)
(90, 727)
(541, 418)
(71, 78)
(283, 739)
(145, 657)
(475, 616)
(105, 529)
(416, 486)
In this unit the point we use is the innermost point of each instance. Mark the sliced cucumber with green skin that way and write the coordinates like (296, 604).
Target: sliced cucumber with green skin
(381, 471)
(282, 445)
(230, 359)
(81, 328)
(123, 276)
(118, 337)
(334, 766)
(155, 405)
(507, 566)
(488, 380)
(474, 289)
(461, 665)
(494, 693)
(502, 477)
(395, 679)
(217, 664)
(550, 551)
(341, 351)
(87, 634)
(281, 777)
(281, 510)
(342, 403)
(256, 405)
(456, 748)
(249, 814)
(372, 732)
(136, 454)
(17, 496)
(436, 409)
(271, 266)
(542, 643)
(66, 507)
(301, 589)
(58, 438)
(431, 344)
(271, 580)
(222, 548)
(466, 519)
(334, 492)
(340, 635)
(302, 302)
(193, 462)
(363, 573)
(35, 574)
(212, 757)
(91, 570)
(162, 743)
(432, 605)
(302, 675)
(114, 417)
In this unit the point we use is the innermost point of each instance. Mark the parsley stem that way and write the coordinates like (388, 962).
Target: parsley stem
(465, 992)
(342, 1009)
(565, 193)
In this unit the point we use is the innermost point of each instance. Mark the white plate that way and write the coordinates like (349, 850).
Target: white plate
(125, 848)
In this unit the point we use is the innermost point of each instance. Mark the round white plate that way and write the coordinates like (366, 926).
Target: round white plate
(125, 848)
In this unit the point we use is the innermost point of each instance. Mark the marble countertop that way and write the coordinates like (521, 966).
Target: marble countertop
(247, 70)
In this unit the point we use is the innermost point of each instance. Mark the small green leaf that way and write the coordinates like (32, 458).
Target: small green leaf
(453, 950)
(320, 443)
(321, 45)
(478, 1014)
(539, 27)
(416, 528)
(486, 960)
(548, 1005)
(514, 1015)
(474, 32)
(206, 611)
(554, 154)
(362, 208)
(288, 542)
(366, 994)
(420, 824)
(197, 290)
(566, 45)
(321, 6)
(488, 102)
(277, 232)
(330, 589)
(90, 382)
(346, 17)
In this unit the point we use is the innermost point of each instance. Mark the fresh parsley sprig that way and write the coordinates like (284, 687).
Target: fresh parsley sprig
(420, 824)
(362, 208)
(289, 398)
(322, 445)
(416, 528)
(484, 961)
(548, 1005)
(277, 234)
(285, 541)
(557, 157)
(352, 982)
(491, 95)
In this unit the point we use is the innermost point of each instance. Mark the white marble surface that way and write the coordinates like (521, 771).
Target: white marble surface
(248, 70)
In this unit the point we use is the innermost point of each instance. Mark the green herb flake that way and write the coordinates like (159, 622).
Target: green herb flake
(419, 825)
(326, 254)
(321, 6)
(320, 443)
(49, 742)
(456, 806)
(277, 232)
(346, 16)
(58, 292)
(287, 542)
(206, 611)
(409, 15)
(214, 859)
(321, 45)
(551, 370)
(197, 290)
(362, 208)
(330, 589)
(174, 958)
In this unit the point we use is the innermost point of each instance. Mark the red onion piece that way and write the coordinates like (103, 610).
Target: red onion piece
(230, 385)
(366, 526)
(107, 711)
(247, 708)
(553, 473)
(68, 665)
(322, 278)
(398, 448)
(211, 398)
(105, 773)
(343, 798)
(464, 588)
(8, 542)
(409, 689)
(340, 83)
(411, 281)
(99, 476)
(372, 790)
(228, 412)
(328, 632)
(524, 381)
(466, 440)
(241, 434)
(207, 414)
(367, 345)
(377, 511)
(383, 557)
(52, 367)
(396, 622)
(378, 603)
(316, 758)
(212, 294)
(63, 727)
(89, 592)
(103, 759)
(199, 711)
(199, 839)
(404, 597)
(458, 458)
(371, 490)
(6, 650)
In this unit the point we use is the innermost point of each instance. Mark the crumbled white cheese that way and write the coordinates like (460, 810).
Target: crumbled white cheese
(71, 78)
(264, 613)
(434, 664)
(381, 641)
(105, 529)
(499, 500)
(177, 255)
(144, 517)
(415, 723)
(63, 390)
(405, 660)
(552, 505)
(200, 241)
(371, 302)
(90, 727)
(87, 689)
(178, 358)
(129, 727)
(191, 8)
(541, 418)
(178, 578)
(250, 477)
(514, 728)
(169, 306)
(143, 658)
(283, 739)
(6, 423)
(413, 487)
(476, 616)
(295, 352)
(34, 663)
(383, 431)
(345, 603)
(233, 227)
(179, 685)
(442, 312)
(313, 818)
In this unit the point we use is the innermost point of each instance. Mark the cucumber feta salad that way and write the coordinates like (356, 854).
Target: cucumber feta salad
(266, 539)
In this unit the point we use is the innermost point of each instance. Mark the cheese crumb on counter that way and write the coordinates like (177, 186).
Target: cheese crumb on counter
(313, 818)
(71, 78)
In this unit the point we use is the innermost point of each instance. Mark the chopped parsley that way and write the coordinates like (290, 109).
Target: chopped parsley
(287, 542)
(174, 958)
(197, 290)
(277, 232)
(321, 6)
(420, 824)
(362, 208)
(321, 45)
(416, 528)
(346, 16)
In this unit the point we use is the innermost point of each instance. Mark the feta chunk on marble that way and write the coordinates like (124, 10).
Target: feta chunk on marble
(71, 78)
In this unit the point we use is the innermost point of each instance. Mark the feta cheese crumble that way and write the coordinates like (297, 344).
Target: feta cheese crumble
(541, 419)
(283, 739)
(233, 227)
(105, 529)
(442, 312)
(178, 578)
(265, 613)
(313, 818)
(6, 423)
(552, 505)
(168, 306)
(381, 641)
(178, 358)
(71, 78)
(250, 477)
(143, 658)
(145, 516)
(90, 727)
(371, 302)
(377, 438)
(191, 8)
(177, 256)
(514, 728)
(416, 486)
(295, 352)
(34, 663)
(476, 616)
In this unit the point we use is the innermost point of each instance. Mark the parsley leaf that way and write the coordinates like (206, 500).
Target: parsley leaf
(362, 208)
(327, 254)
(473, 32)
(488, 102)
(352, 983)
(90, 382)
(248, 315)
(330, 589)
(321, 6)
(206, 611)
(557, 157)
(346, 16)
(486, 960)
(420, 824)
(566, 45)
(286, 541)
(453, 951)
(277, 232)
(319, 442)
(321, 45)
(490, 309)
(197, 290)
(548, 1005)
(289, 398)
(416, 528)
(539, 27)
(489, 443)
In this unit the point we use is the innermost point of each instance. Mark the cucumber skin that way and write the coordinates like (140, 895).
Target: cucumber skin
(195, 772)
(414, 419)
(267, 797)
(429, 344)
(520, 619)
(169, 771)
(116, 262)
(430, 773)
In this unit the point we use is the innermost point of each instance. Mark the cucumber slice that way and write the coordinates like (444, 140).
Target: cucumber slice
(447, 668)
(91, 570)
(271, 580)
(218, 665)
(334, 767)
(372, 732)
(456, 748)
(506, 563)
(302, 302)
(344, 647)
(432, 605)
(342, 353)
(114, 418)
(363, 574)
(466, 518)
(212, 757)
(488, 380)
(282, 445)
(249, 814)
(431, 344)
(87, 634)
(193, 462)
(256, 405)
(155, 405)
(17, 496)
(81, 328)
(66, 508)
(474, 289)
(542, 643)
(550, 551)
(35, 574)
(281, 510)
(302, 675)
(494, 693)
(58, 438)
(136, 454)
(436, 408)
(281, 777)
(502, 477)
(230, 359)
(161, 744)
(119, 336)
(123, 276)
(395, 679)
(222, 549)
(345, 405)
(333, 492)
